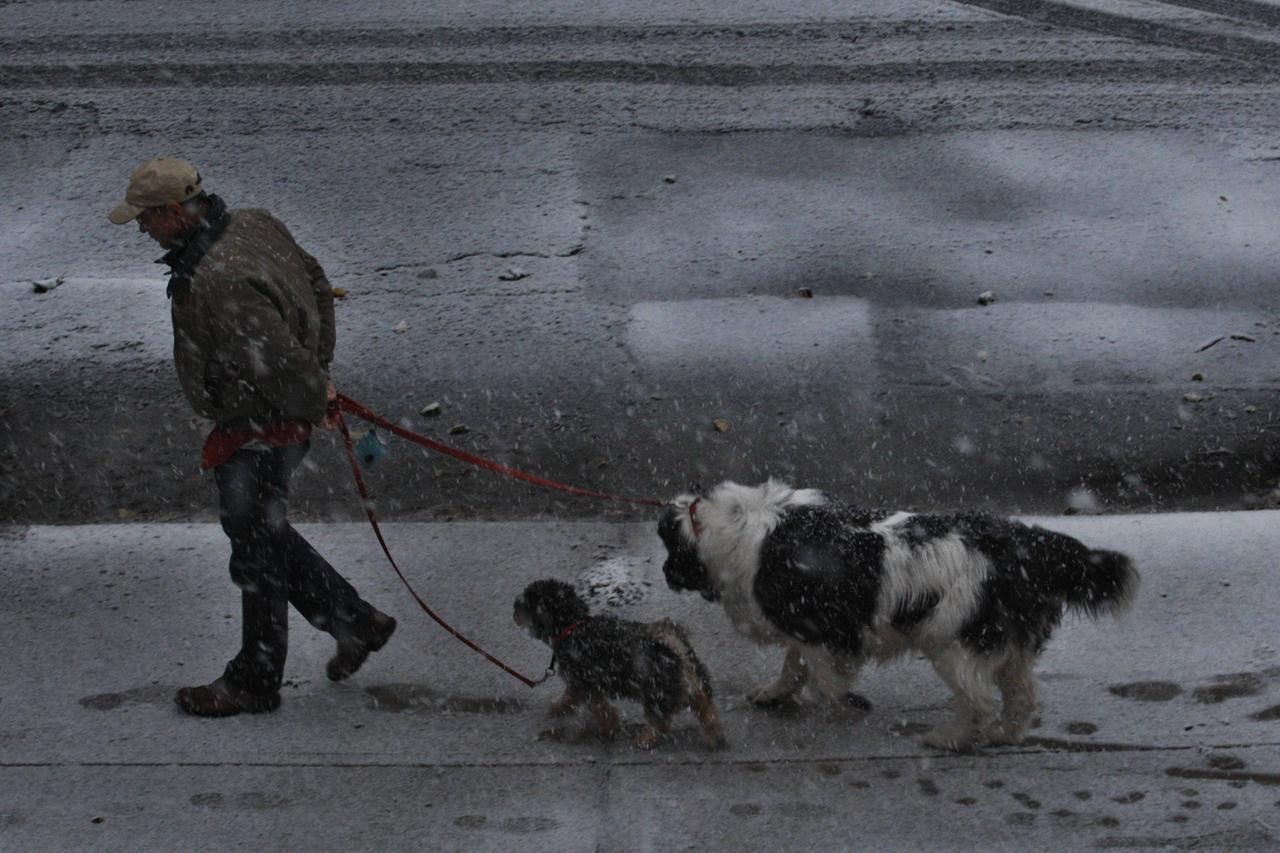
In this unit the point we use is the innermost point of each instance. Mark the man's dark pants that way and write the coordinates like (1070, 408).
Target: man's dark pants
(275, 567)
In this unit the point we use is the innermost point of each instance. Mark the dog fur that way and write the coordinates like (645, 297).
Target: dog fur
(601, 657)
(838, 585)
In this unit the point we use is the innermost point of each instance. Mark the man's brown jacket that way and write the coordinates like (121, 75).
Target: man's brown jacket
(253, 326)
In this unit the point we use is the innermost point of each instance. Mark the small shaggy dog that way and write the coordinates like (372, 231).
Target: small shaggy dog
(601, 657)
(839, 585)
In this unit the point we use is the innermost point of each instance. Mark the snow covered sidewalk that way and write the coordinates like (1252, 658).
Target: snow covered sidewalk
(1160, 730)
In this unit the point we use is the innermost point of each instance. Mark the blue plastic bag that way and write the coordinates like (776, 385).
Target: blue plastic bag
(370, 449)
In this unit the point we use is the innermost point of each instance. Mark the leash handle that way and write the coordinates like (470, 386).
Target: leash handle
(377, 531)
(346, 404)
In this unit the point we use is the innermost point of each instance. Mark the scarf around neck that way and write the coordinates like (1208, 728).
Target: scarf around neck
(182, 260)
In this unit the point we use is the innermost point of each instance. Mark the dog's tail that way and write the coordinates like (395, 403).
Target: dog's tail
(694, 679)
(1106, 584)
(693, 675)
(1093, 581)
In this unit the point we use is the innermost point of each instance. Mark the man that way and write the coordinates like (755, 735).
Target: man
(253, 335)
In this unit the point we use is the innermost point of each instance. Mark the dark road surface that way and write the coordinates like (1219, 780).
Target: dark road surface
(634, 251)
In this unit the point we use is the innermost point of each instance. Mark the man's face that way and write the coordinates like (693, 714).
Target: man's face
(167, 225)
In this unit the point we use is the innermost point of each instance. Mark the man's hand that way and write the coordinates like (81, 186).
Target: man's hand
(330, 421)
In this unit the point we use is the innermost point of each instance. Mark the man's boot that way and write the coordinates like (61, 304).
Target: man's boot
(223, 698)
(355, 642)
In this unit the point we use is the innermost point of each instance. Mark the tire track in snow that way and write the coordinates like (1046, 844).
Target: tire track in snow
(1255, 50)
(278, 74)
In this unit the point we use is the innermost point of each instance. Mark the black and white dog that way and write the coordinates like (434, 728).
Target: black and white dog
(839, 585)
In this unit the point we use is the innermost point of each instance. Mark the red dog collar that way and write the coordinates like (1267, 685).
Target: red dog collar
(693, 518)
(564, 635)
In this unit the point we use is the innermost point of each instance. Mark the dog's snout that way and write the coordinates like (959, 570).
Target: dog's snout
(670, 578)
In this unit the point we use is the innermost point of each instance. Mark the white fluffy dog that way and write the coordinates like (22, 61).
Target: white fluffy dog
(838, 585)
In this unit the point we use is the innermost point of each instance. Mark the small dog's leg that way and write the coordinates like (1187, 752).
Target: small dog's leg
(1016, 679)
(709, 717)
(562, 707)
(604, 716)
(969, 678)
(657, 727)
(793, 676)
(566, 704)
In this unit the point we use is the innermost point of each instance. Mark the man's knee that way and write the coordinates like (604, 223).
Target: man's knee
(257, 551)
(239, 526)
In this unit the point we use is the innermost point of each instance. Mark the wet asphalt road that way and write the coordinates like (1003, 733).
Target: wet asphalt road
(634, 249)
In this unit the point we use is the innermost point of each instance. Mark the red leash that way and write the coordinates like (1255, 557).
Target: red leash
(346, 404)
(373, 519)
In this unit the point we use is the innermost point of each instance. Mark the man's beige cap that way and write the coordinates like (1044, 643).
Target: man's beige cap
(157, 182)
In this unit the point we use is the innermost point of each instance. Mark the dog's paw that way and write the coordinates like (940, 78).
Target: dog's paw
(647, 738)
(771, 696)
(950, 738)
(1001, 733)
(555, 733)
(855, 702)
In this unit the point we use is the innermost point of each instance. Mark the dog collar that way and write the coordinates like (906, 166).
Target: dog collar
(564, 635)
(555, 647)
(693, 518)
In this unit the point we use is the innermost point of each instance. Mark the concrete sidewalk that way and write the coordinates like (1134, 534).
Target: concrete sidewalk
(1160, 730)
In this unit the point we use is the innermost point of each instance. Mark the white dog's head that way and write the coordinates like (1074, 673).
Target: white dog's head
(683, 569)
(713, 538)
